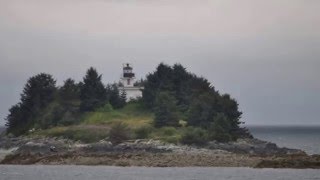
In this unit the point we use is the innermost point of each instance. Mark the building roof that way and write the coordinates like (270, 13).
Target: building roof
(127, 66)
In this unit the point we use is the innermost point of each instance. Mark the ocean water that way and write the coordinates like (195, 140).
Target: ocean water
(299, 137)
(141, 173)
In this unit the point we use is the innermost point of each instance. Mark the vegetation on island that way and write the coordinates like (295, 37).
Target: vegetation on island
(177, 107)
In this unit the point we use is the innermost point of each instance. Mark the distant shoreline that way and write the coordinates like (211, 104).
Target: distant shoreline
(283, 126)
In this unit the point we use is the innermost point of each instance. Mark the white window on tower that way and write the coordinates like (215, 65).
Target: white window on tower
(128, 82)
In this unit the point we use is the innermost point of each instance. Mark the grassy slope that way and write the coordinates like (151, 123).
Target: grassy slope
(95, 126)
(133, 114)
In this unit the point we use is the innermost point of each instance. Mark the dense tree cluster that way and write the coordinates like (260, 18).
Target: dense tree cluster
(43, 104)
(174, 93)
(166, 110)
(37, 94)
(176, 97)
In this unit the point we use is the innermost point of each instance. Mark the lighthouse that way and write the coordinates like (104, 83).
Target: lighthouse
(128, 83)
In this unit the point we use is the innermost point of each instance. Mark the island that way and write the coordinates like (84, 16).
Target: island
(172, 118)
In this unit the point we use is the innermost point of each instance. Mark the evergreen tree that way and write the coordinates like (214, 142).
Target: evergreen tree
(182, 84)
(166, 110)
(220, 129)
(116, 98)
(16, 121)
(197, 100)
(93, 93)
(182, 91)
(70, 91)
(160, 80)
(38, 92)
(202, 110)
(229, 107)
(66, 110)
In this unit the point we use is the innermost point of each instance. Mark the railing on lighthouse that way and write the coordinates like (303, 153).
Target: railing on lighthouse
(127, 71)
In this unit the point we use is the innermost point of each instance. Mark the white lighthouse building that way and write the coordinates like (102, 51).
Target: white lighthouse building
(127, 83)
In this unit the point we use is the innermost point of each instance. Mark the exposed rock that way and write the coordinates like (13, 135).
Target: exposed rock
(291, 161)
(254, 147)
(244, 152)
(8, 143)
(43, 147)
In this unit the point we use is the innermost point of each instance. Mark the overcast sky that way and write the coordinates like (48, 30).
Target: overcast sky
(265, 53)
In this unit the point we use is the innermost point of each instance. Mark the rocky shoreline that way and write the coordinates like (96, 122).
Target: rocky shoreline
(152, 153)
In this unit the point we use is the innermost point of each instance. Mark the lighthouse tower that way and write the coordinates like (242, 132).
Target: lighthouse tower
(127, 84)
(128, 77)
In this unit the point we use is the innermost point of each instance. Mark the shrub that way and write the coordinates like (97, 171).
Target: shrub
(169, 131)
(68, 118)
(194, 136)
(143, 132)
(167, 134)
(106, 108)
(219, 135)
(172, 139)
(183, 123)
(119, 133)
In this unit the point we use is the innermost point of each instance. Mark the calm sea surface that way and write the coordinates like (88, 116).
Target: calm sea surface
(141, 173)
(305, 138)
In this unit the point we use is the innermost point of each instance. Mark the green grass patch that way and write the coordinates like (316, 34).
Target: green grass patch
(167, 134)
(95, 126)
(133, 114)
(86, 134)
